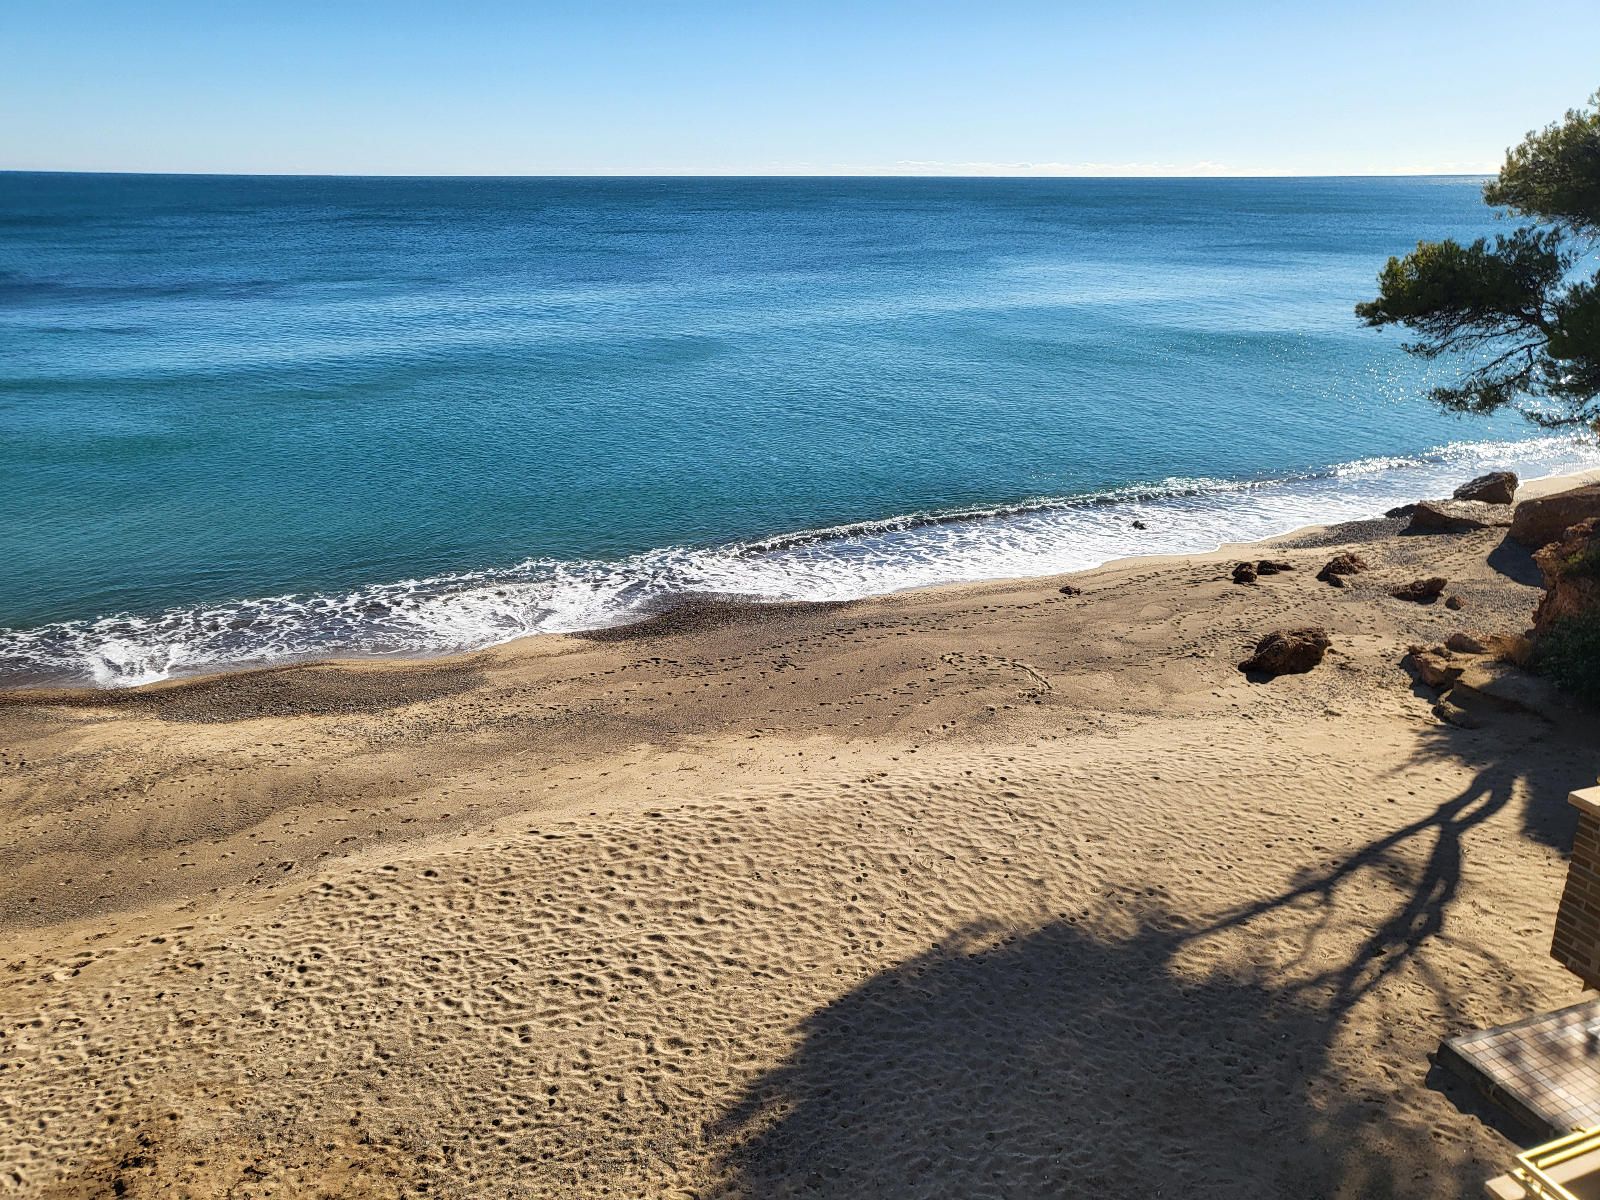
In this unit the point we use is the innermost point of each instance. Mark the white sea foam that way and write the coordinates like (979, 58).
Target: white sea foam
(477, 609)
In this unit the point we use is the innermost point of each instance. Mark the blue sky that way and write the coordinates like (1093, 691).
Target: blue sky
(613, 87)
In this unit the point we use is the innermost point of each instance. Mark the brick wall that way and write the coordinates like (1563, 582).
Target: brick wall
(1577, 940)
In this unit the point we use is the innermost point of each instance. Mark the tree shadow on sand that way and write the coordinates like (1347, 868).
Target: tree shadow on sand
(1122, 1052)
(1060, 1063)
(1520, 759)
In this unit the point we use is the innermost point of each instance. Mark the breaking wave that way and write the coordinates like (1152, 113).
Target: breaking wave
(476, 609)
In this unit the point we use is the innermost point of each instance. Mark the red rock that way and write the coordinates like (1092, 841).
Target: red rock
(1542, 521)
(1571, 570)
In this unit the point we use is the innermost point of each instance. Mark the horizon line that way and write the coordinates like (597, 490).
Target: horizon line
(742, 175)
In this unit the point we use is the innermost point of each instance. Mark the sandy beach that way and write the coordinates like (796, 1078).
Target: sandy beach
(989, 890)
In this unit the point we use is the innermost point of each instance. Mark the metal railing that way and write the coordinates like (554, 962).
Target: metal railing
(1533, 1165)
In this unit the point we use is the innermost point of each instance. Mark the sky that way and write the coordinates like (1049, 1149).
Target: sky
(875, 87)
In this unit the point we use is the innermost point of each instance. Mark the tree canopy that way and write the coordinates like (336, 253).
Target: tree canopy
(1523, 309)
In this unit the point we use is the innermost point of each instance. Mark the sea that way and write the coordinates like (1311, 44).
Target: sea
(252, 420)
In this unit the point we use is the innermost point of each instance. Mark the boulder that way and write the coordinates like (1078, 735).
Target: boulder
(1273, 566)
(1457, 516)
(1341, 565)
(1244, 572)
(1454, 602)
(1497, 487)
(1287, 652)
(1542, 521)
(1571, 570)
(1404, 510)
(1421, 591)
(1433, 667)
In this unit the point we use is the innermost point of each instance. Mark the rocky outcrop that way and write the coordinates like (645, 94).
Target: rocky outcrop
(1542, 521)
(1340, 565)
(1497, 487)
(1571, 570)
(1466, 660)
(1488, 686)
(1435, 667)
(1501, 647)
(1512, 648)
(1287, 652)
(1457, 516)
(1421, 591)
(1462, 642)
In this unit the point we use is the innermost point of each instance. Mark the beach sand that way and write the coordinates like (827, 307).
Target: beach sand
(973, 891)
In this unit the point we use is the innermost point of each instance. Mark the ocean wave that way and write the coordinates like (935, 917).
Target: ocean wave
(474, 610)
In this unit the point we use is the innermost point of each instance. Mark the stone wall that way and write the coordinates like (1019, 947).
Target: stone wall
(1577, 940)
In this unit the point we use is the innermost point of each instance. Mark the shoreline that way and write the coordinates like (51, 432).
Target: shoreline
(735, 607)
(707, 904)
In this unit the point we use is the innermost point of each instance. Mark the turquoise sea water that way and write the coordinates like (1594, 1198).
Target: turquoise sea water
(251, 419)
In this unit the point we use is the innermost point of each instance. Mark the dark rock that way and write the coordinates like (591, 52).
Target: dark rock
(1287, 652)
(1405, 510)
(1497, 487)
(1244, 572)
(1457, 516)
(1273, 566)
(1542, 521)
(1454, 602)
(1067, 589)
(1340, 565)
(1421, 591)
(1140, 525)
